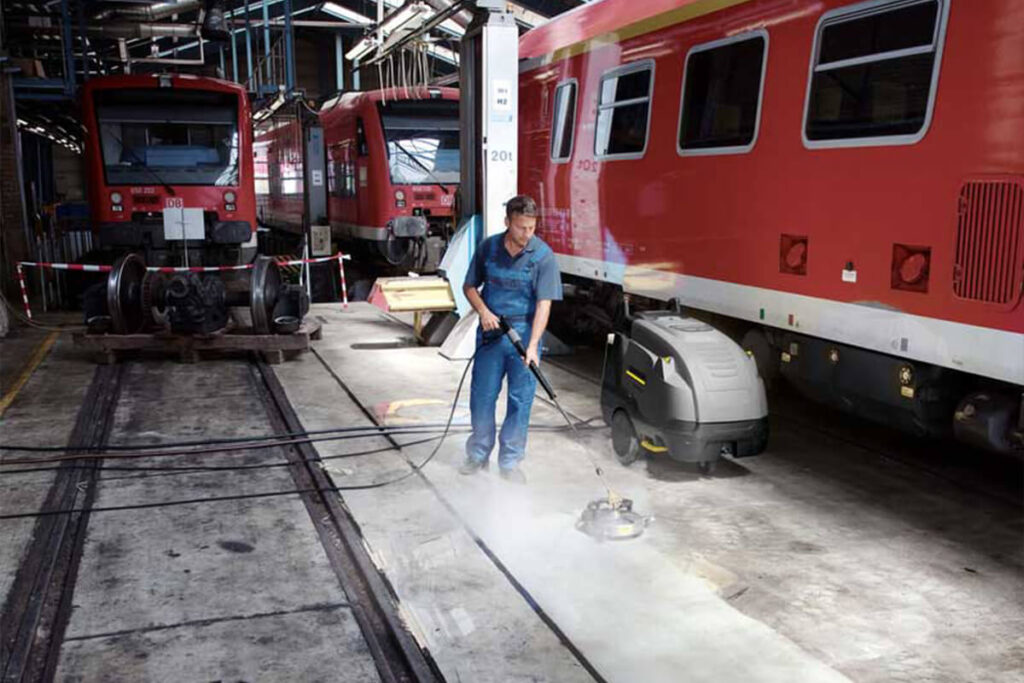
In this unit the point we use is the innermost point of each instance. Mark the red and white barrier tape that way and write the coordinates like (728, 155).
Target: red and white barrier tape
(87, 267)
(97, 268)
(24, 294)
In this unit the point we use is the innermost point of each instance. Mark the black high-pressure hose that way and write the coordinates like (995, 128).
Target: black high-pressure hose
(517, 342)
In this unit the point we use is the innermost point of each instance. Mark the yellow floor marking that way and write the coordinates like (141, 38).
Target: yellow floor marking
(26, 372)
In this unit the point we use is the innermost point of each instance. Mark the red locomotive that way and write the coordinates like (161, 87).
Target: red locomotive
(392, 160)
(170, 163)
(838, 184)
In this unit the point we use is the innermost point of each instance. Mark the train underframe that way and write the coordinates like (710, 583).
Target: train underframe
(920, 399)
(225, 242)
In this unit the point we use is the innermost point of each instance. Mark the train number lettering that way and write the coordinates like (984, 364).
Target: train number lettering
(588, 165)
(501, 155)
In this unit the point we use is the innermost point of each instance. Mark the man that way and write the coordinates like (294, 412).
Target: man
(520, 279)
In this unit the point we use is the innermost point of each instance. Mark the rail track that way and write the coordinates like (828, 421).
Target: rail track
(36, 616)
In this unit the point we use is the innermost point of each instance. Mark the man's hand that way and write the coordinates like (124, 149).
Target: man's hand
(488, 321)
(532, 356)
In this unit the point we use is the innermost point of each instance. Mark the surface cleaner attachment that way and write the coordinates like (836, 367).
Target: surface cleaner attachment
(612, 519)
(608, 518)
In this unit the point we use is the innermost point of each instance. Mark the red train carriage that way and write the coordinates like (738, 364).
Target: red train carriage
(277, 153)
(170, 156)
(392, 172)
(841, 184)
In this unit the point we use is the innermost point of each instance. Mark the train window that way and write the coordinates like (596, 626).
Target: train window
(722, 95)
(563, 123)
(181, 138)
(624, 111)
(874, 73)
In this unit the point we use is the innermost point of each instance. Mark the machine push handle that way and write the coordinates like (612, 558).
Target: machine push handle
(517, 342)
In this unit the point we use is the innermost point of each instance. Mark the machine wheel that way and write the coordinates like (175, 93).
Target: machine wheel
(706, 467)
(266, 284)
(624, 439)
(125, 294)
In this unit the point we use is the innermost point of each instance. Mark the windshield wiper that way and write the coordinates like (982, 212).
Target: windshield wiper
(437, 181)
(164, 183)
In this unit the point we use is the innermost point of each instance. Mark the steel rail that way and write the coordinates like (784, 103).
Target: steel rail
(397, 654)
(545, 618)
(36, 613)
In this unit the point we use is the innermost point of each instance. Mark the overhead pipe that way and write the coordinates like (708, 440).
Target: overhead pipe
(155, 12)
(124, 30)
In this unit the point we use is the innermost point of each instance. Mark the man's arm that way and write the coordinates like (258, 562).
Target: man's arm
(488, 321)
(540, 323)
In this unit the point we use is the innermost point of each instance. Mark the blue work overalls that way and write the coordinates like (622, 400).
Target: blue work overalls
(508, 292)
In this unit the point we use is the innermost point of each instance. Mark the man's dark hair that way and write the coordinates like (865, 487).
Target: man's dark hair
(522, 205)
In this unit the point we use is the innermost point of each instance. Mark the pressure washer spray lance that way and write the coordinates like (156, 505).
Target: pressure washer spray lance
(611, 517)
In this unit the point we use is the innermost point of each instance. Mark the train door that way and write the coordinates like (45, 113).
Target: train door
(364, 193)
(342, 181)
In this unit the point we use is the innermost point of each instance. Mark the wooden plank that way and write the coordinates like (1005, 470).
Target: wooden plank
(188, 346)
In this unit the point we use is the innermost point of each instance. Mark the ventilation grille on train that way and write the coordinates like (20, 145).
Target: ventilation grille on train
(989, 241)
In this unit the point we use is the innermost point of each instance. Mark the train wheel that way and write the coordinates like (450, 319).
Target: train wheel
(125, 294)
(624, 439)
(266, 284)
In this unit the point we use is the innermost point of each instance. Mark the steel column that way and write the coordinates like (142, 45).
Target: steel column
(69, 57)
(234, 56)
(289, 48)
(339, 63)
(248, 43)
(266, 43)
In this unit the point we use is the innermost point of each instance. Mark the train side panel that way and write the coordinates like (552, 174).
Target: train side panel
(714, 229)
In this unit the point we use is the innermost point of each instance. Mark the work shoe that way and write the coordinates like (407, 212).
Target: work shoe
(513, 475)
(471, 466)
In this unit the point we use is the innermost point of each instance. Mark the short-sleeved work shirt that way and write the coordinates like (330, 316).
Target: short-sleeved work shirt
(512, 285)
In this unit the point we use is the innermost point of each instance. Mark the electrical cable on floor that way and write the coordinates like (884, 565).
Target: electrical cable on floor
(186, 469)
(331, 489)
(22, 318)
(383, 429)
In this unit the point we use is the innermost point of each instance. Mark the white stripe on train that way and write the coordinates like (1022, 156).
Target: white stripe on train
(984, 351)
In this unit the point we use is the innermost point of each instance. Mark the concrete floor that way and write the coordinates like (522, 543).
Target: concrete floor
(816, 561)
(224, 590)
(820, 560)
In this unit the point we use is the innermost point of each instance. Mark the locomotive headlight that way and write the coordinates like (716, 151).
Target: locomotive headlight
(906, 375)
(115, 197)
(400, 195)
(229, 197)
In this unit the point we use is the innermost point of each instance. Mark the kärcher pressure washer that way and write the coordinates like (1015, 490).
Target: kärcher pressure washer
(673, 384)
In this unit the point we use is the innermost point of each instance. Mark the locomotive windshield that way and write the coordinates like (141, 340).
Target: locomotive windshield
(168, 136)
(422, 139)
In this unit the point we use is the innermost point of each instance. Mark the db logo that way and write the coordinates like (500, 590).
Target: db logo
(447, 199)
(174, 203)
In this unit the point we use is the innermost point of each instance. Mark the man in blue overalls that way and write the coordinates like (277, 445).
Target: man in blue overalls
(520, 279)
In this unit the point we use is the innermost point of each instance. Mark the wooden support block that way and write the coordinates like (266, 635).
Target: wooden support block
(273, 356)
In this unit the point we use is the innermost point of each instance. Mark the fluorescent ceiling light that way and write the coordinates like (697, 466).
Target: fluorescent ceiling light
(443, 54)
(361, 49)
(337, 10)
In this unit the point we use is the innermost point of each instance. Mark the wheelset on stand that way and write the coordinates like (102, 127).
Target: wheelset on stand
(134, 300)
